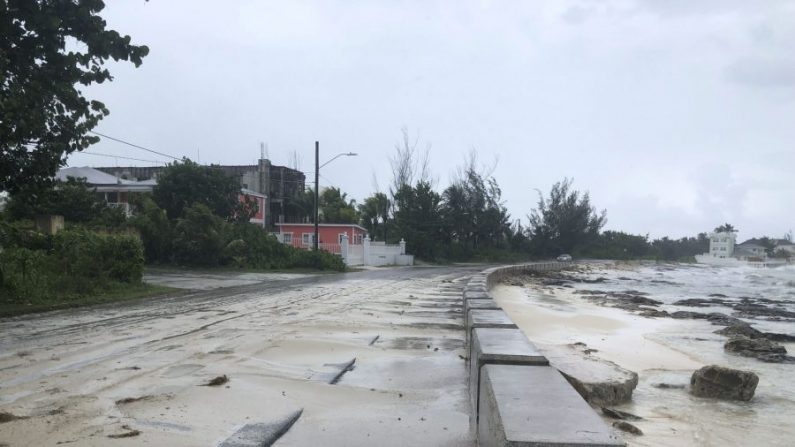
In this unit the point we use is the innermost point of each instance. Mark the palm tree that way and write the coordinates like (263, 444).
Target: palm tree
(726, 228)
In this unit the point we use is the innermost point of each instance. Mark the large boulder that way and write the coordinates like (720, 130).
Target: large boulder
(723, 383)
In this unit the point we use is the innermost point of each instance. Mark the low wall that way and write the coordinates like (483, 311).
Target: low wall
(517, 398)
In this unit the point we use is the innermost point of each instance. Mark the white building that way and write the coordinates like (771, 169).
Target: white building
(721, 245)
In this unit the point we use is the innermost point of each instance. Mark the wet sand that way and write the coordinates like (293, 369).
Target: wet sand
(666, 351)
(280, 345)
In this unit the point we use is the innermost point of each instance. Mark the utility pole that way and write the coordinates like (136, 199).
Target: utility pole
(317, 193)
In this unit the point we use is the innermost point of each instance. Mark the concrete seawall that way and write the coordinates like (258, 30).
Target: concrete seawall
(517, 398)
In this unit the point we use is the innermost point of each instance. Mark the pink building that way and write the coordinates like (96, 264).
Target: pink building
(301, 235)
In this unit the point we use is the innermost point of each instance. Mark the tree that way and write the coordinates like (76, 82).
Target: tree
(199, 237)
(473, 211)
(336, 208)
(726, 228)
(72, 199)
(408, 164)
(564, 221)
(418, 219)
(184, 183)
(45, 117)
(374, 214)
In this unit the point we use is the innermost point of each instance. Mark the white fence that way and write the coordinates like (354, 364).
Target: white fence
(375, 253)
(366, 253)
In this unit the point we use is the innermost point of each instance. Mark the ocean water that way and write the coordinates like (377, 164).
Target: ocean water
(673, 417)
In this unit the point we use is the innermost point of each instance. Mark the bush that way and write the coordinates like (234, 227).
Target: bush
(157, 232)
(199, 238)
(75, 262)
(320, 260)
(253, 247)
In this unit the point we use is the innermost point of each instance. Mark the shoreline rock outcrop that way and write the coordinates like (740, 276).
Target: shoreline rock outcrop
(717, 382)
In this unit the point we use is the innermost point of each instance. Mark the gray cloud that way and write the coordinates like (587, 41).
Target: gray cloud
(762, 72)
(632, 102)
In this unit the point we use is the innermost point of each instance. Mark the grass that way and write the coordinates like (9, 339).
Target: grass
(114, 294)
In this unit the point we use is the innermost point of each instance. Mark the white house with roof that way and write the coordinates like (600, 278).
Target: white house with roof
(116, 191)
(721, 244)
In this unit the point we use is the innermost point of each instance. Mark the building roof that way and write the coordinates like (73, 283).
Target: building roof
(322, 225)
(92, 176)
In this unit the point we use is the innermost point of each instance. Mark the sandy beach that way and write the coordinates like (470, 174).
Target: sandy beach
(662, 351)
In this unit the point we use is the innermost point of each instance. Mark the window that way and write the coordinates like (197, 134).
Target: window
(339, 238)
(357, 239)
(287, 238)
(308, 238)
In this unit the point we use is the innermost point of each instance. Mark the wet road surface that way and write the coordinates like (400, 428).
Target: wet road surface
(372, 358)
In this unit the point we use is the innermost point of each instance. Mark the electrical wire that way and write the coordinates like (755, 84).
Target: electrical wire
(134, 145)
(119, 156)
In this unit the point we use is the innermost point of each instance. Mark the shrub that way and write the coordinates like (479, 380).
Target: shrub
(157, 232)
(320, 260)
(199, 238)
(75, 262)
(257, 249)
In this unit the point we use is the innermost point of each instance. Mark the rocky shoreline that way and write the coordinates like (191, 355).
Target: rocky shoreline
(743, 338)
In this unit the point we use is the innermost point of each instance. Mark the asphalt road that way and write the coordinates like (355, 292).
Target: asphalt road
(372, 358)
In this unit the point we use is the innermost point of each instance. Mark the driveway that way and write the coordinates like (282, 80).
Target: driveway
(357, 359)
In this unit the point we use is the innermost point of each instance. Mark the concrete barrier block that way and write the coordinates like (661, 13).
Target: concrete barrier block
(498, 346)
(475, 294)
(475, 289)
(486, 303)
(526, 406)
(487, 319)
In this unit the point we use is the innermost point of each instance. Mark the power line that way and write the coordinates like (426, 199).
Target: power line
(119, 156)
(134, 145)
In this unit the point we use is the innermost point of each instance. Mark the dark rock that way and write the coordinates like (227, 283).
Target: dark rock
(720, 319)
(618, 414)
(668, 386)
(553, 282)
(723, 383)
(760, 348)
(594, 281)
(687, 315)
(627, 427)
(786, 338)
(758, 310)
(624, 278)
(740, 330)
(694, 302)
(654, 313)
(718, 295)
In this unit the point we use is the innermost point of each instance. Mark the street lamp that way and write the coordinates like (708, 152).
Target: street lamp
(317, 189)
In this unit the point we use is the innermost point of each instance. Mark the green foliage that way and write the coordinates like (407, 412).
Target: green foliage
(72, 199)
(473, 211)
(680, 249)
(616, 245)
(156, 230)
(253, 247)
(185, 183)
(725, 228)
(45, 115)
(75, 262)
(418, 219)
(564, 222)
(336, 208)
(374, 215)
(319, 260)
(199, 237)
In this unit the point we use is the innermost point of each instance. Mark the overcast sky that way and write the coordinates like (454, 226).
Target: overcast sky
(676, 115)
